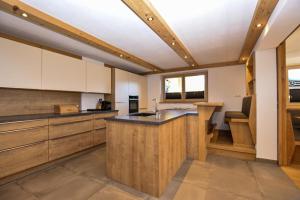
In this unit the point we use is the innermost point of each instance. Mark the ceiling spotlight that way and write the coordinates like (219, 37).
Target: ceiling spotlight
(258, 25)
(121, 55)
(24, 15)
(150, 18)
(185, 56)
(173, 43)
(193, 65)
(244, 58)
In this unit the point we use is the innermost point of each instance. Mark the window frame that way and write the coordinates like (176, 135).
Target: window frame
(183, 93)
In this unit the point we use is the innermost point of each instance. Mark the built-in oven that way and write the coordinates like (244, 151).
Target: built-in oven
(133, 104)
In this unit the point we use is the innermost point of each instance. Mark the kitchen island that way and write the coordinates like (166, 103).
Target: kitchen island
(145, 152)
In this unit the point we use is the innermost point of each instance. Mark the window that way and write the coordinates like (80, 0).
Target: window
(186, 87)
(294, 84)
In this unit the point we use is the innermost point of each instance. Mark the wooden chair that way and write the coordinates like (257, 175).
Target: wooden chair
(242, 123)
(293, 137)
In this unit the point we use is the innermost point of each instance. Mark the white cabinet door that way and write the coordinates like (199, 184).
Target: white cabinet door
(143, 92)
(123, 108)
(98, 78)
(60, 72)
(134, 85)
(121, 86)
(20, 65)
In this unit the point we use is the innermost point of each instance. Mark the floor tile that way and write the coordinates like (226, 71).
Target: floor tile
(47, 181)
(113, 193)
(170, 191)
(15, 192)
(190, 192)
(80, 188)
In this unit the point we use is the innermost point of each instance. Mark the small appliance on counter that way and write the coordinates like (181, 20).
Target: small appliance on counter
(101, 105)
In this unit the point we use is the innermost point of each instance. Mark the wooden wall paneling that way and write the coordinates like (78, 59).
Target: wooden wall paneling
(22, 102)
(16, 8)
(146, 11)
(252, 118)
(282, 104)
(261, 16)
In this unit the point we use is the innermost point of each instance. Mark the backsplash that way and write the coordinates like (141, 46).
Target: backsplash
(21, 102)
(89, 100)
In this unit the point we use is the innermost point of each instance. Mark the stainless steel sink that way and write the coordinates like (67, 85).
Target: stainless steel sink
(142, 114)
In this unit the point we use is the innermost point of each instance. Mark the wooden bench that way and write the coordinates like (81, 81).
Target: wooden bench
(293, 136)
(242, 123)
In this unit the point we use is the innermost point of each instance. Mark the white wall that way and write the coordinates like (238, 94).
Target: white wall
(225, 84)
(89, 100)
(266, 97)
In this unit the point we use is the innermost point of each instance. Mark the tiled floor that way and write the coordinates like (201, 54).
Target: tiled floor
(219, 178)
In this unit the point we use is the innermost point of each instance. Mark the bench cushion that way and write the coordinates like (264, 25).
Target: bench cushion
(235, 114)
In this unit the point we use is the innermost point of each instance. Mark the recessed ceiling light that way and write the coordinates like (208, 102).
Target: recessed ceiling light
(24, 15)
(150, 18)
(173, 43)
(193, 65)
(121, 55)
(185, 56)
(258, 25)
(244, 58)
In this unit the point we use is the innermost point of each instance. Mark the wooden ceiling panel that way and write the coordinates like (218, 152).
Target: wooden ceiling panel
(260, 18)
(151, 17)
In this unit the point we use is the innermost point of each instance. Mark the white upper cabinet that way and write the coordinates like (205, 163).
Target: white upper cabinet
(134, 86)
(121, 86)
(60, 72)
(98, 78)
(20, 65)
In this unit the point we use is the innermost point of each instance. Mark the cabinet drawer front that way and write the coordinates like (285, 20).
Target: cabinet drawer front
(105, 115)
(10, 139)
(56, 131)
(99, 123)
(19, 159)
(23, 124)
(64, 120)
(99, 136)
(65, 146)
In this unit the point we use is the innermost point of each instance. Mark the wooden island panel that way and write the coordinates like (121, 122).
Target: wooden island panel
(145, 156)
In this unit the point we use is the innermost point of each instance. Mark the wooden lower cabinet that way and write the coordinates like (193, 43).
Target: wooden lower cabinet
(67, 145)
(66, 129)
(99, 136)
(192, 136)
(15, 138)
(19, 159)
(99, 123)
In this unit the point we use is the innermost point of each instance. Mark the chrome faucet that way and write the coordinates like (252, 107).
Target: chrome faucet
(155, 105)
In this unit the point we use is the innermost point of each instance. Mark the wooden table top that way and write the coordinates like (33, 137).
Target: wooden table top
(209, 104)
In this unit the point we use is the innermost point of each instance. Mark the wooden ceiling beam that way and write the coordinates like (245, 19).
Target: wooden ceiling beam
(145, 10)
(263, 11)
(17, 8)
(204, 66)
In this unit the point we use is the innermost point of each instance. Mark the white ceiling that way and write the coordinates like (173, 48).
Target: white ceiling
(213, 31)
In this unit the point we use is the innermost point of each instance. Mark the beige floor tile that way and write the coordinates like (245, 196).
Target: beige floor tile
(113, 193)
(181, 173)
(170, 191)
(237, 183)
(47, 181)
(80, 188)
(15, 192)
(198, 174)
(190, 192)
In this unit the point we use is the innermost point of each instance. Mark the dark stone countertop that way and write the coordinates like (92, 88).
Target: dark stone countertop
(164, 117)
(15, 118)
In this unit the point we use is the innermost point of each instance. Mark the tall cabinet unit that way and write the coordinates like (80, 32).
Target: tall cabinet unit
(21, 65)
(129, 84)
(98, 78)
(121, 91)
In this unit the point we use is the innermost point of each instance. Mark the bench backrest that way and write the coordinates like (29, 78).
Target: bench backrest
(246, 106)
